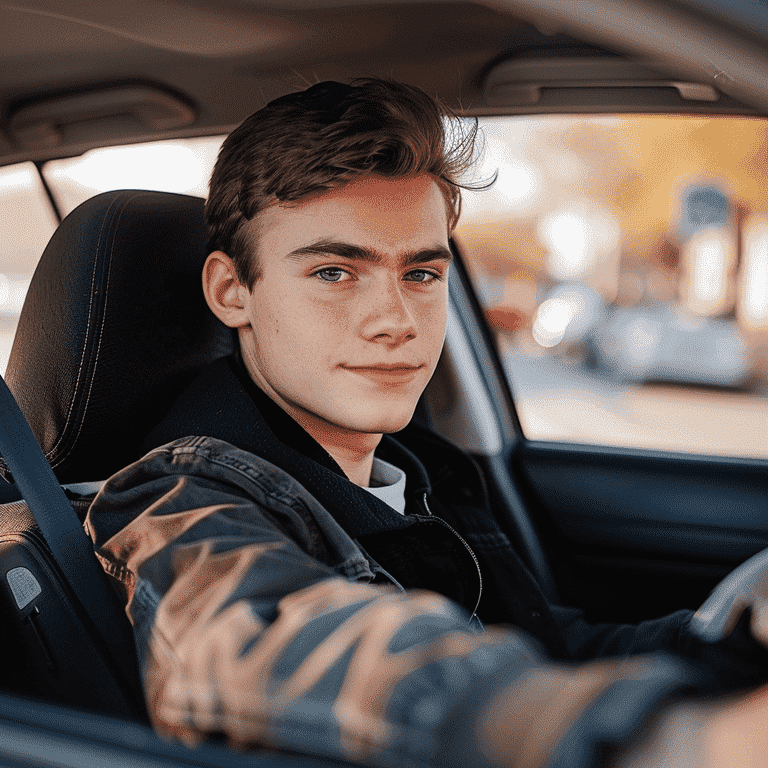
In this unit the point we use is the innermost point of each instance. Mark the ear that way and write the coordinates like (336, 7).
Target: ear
(224, 294)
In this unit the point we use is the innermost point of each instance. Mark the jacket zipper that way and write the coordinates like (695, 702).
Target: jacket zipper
(467, 547)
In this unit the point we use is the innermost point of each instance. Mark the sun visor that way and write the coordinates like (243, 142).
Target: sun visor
(560, 83)
(98, 116)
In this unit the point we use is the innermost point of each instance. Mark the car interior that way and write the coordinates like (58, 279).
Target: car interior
(114, 323)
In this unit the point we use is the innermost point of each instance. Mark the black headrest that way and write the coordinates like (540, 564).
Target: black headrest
(113, 327)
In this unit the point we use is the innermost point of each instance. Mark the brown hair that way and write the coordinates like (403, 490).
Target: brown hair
(322, 138)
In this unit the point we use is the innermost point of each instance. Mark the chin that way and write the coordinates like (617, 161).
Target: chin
(383, 423)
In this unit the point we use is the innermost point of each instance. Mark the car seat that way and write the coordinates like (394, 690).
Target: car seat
(113, 327)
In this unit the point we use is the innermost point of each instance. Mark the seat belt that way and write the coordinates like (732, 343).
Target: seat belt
(64, 534)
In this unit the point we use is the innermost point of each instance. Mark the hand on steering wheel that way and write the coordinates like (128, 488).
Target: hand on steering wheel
(746, 587)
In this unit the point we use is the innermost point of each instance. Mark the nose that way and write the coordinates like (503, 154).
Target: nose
(388, 318)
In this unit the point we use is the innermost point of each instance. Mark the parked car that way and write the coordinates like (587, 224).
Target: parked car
(654, 342)
(666, 344)
(624, 531)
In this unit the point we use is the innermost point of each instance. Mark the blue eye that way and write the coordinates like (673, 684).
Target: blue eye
(422, 276)
(330, 275)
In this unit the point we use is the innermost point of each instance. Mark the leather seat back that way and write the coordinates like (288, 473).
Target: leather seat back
(113, 327)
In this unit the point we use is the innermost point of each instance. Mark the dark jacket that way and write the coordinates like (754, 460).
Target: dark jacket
(275, 601)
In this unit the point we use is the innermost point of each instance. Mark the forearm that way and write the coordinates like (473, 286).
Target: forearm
(364, 674)
(243, 633)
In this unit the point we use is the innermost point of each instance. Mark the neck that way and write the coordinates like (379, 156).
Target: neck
(354, 456)
(353, 452)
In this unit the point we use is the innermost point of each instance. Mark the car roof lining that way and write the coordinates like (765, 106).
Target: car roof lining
(189, 48)
(440, 46)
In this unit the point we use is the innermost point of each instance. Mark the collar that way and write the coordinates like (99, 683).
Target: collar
(279, 422)
(224, 403)
(389, 484)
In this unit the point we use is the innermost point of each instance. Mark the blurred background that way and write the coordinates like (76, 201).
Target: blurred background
(622, 263)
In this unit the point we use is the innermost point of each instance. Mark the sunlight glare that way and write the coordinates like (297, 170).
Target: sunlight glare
(167, 166)
(569, 239)
(753, 307)
(5, 289)
(17, 180)
(517, 184)
(709, 259)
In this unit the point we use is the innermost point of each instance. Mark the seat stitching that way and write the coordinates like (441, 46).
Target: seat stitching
(85, 344)
(101, 334)
(101, 330)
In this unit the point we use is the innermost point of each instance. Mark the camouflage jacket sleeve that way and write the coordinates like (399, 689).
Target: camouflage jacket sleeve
(245, 627)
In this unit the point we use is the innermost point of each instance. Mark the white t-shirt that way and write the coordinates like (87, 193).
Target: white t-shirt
(388, 484)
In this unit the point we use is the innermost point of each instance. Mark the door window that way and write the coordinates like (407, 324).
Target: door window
(27, 223)
(183, 166)
(29, 219)
(623, 263)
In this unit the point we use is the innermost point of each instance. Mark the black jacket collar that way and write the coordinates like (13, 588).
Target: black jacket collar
(223, 402)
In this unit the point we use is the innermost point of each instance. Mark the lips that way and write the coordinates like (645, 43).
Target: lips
(384, 367)
(387, 373)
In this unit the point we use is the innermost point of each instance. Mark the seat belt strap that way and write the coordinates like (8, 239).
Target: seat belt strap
(63, 532)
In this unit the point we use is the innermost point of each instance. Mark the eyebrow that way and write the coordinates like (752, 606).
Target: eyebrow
(369, 255)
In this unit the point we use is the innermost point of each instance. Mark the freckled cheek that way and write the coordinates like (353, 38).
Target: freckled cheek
(315, 329)
(332, 316)
(431, 319)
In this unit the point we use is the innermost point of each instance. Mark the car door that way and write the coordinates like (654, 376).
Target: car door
(620, 261)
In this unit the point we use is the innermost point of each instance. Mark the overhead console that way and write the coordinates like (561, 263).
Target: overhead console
(574, 78)
(97, 116)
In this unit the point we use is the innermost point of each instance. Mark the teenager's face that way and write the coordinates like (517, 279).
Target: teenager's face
(346, 325)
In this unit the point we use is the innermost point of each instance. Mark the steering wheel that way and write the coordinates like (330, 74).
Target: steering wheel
(746, 587)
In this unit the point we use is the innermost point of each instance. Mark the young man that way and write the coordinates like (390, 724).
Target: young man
(298, 577)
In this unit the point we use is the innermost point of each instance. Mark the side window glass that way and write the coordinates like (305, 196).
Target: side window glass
(623, 263)
(27, 223)
(182, 166)
(29, 220)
